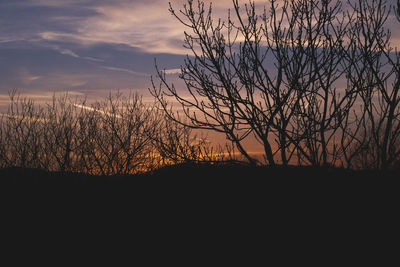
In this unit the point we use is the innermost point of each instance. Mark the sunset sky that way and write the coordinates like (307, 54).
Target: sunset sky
(89, 46)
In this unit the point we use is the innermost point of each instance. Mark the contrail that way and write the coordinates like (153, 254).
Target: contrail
(96, 110)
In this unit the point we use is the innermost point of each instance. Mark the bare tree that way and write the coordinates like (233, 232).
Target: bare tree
(176, 143)
(61, 123)
(122, 132)
(398, 10)
(294, 108)
(117, 135)
(375, 66)
(20, 132)
(108, 137)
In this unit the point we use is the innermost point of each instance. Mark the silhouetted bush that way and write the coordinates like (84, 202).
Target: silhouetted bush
(118, 135)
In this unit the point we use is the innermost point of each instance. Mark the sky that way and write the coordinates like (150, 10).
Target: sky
(84, 45)
(89, 46)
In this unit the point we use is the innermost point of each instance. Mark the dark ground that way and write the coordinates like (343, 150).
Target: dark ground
(191, 181)
(23, 176)
(180, 190)
(186, 214)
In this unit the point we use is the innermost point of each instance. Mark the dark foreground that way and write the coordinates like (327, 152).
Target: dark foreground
(184, 213)
(200, 181)
(182, 189)
(23, 176)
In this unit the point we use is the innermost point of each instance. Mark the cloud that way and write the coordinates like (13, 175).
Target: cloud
(63, 37)
(96, 44)
(68, 52)
(94, 59)
(125, 70)
(146, 25)
(8, 40)
(38, 96)
(26, 77)
(172, 71)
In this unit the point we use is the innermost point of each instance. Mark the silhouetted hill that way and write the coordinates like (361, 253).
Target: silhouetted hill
(26, 176)
(244, 171)
(200, 202)
(198, 182)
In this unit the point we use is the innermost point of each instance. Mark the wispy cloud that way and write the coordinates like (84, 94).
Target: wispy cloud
(99, 44)
(9, 40)
(147, 25)
(125, 70)
(26, 77)
(144, 24)
(172, 71)
(57, 3)
(69, 52)
(127, 23)
(94, 59)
